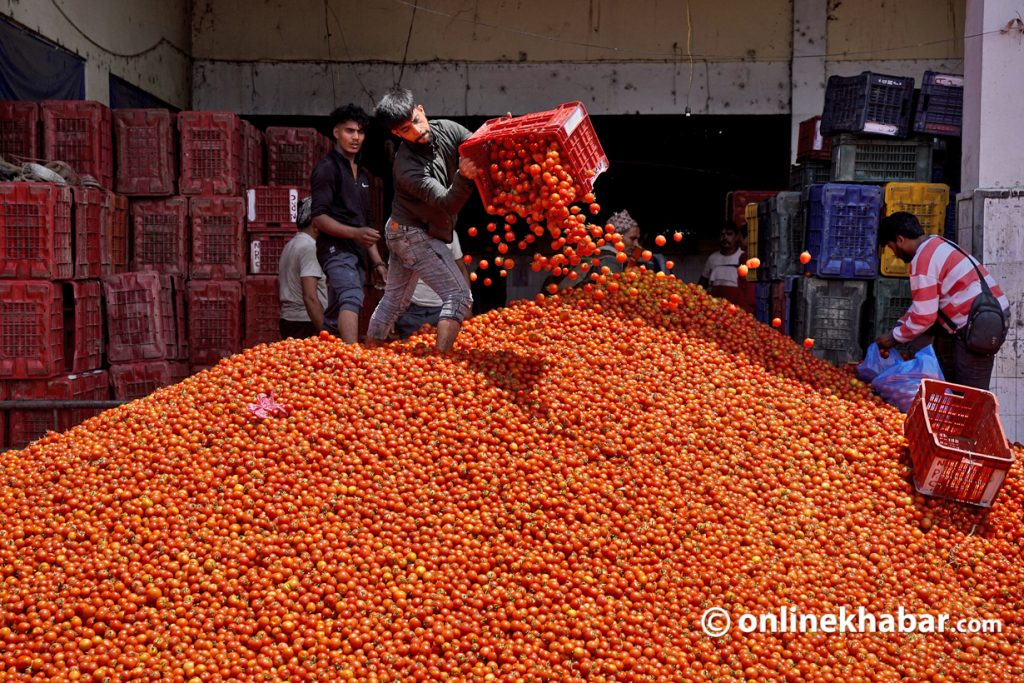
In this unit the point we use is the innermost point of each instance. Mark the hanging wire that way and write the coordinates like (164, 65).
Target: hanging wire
(344, 45)
(689, 54)
(408, 39)
(112, 53)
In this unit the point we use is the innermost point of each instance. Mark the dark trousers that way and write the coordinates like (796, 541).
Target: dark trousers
(297, 329)
(959, 364)
(414, 318)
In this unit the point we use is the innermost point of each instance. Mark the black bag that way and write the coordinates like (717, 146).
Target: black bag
(987, 322)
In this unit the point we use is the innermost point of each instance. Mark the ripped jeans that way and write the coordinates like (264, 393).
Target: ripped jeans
(417, 256)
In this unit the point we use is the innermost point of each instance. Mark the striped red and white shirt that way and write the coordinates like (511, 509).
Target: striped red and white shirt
(941, 276)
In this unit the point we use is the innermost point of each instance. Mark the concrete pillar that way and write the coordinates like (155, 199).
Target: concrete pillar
(993, 95)
(991, 206)
(807, 68)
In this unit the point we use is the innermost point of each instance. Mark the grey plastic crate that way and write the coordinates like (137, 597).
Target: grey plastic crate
(860, 159)
(784, 235)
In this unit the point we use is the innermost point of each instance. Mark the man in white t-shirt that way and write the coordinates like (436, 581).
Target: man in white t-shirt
(425, 305)
(721, 277)
(300, 281)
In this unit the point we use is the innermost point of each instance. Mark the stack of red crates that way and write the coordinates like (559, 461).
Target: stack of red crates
(292, 154)
(51, 320)
(221, 156)
(19, 131)
(146, 324)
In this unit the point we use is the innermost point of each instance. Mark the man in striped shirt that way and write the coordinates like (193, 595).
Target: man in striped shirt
(942, 279)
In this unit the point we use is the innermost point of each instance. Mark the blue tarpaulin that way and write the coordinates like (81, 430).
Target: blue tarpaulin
(124, 95)
(33, 69)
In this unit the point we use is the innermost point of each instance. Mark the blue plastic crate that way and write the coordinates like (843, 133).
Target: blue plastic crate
(783, 235)
(762, 301)
(781, 301)
(842, 230)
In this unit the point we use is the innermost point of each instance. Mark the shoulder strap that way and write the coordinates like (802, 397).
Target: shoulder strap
(981, 279)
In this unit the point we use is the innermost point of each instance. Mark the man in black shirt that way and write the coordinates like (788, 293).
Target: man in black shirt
(432, 183)
(340, 189)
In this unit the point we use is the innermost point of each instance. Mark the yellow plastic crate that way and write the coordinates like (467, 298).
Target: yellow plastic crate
(750, 213)
(928, 202)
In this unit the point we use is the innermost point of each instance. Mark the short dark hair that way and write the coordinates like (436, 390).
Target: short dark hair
(349, 112)
(900, 223)
(395, 108)
(304, 215)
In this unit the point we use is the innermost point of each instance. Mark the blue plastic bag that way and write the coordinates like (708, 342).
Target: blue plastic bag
(898, 383)
(874, 364)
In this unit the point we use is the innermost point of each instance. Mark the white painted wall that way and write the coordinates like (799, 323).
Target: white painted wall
(993, 155)
(144, 42)
(488, 58)
(991, 207)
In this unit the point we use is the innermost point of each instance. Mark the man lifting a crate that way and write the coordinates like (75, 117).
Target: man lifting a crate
(948, 288)
(432, 183)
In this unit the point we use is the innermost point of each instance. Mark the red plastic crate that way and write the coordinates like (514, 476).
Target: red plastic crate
(31, 329)
(262, 310)
(568, 124)
(146, 156)
(252, 155)
(957, 443)
(90, 218)
(35, 231)
(29, 425)
(19, 132)
(272, 208)
(214, 320)
(292, 154)
(3, 417)
(79, 132)
(218, 237)
(211, 153)
(811, 145)
(145, 317)
(161, 235)
(265, 251)
(136, 380)
(737, 200)
(114, 245)
(84, 327)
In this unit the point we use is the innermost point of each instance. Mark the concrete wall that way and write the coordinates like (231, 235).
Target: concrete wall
(486, 58)
(144, 42)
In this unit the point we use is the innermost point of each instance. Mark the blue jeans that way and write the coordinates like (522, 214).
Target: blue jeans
(345, 278)
(417, 256)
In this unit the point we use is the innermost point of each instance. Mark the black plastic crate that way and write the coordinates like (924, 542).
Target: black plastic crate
(872, 103)
(940, 104)
(810, 172)
(829, 312)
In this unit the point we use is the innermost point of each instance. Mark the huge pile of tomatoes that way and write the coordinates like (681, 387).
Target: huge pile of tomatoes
(560, 498)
